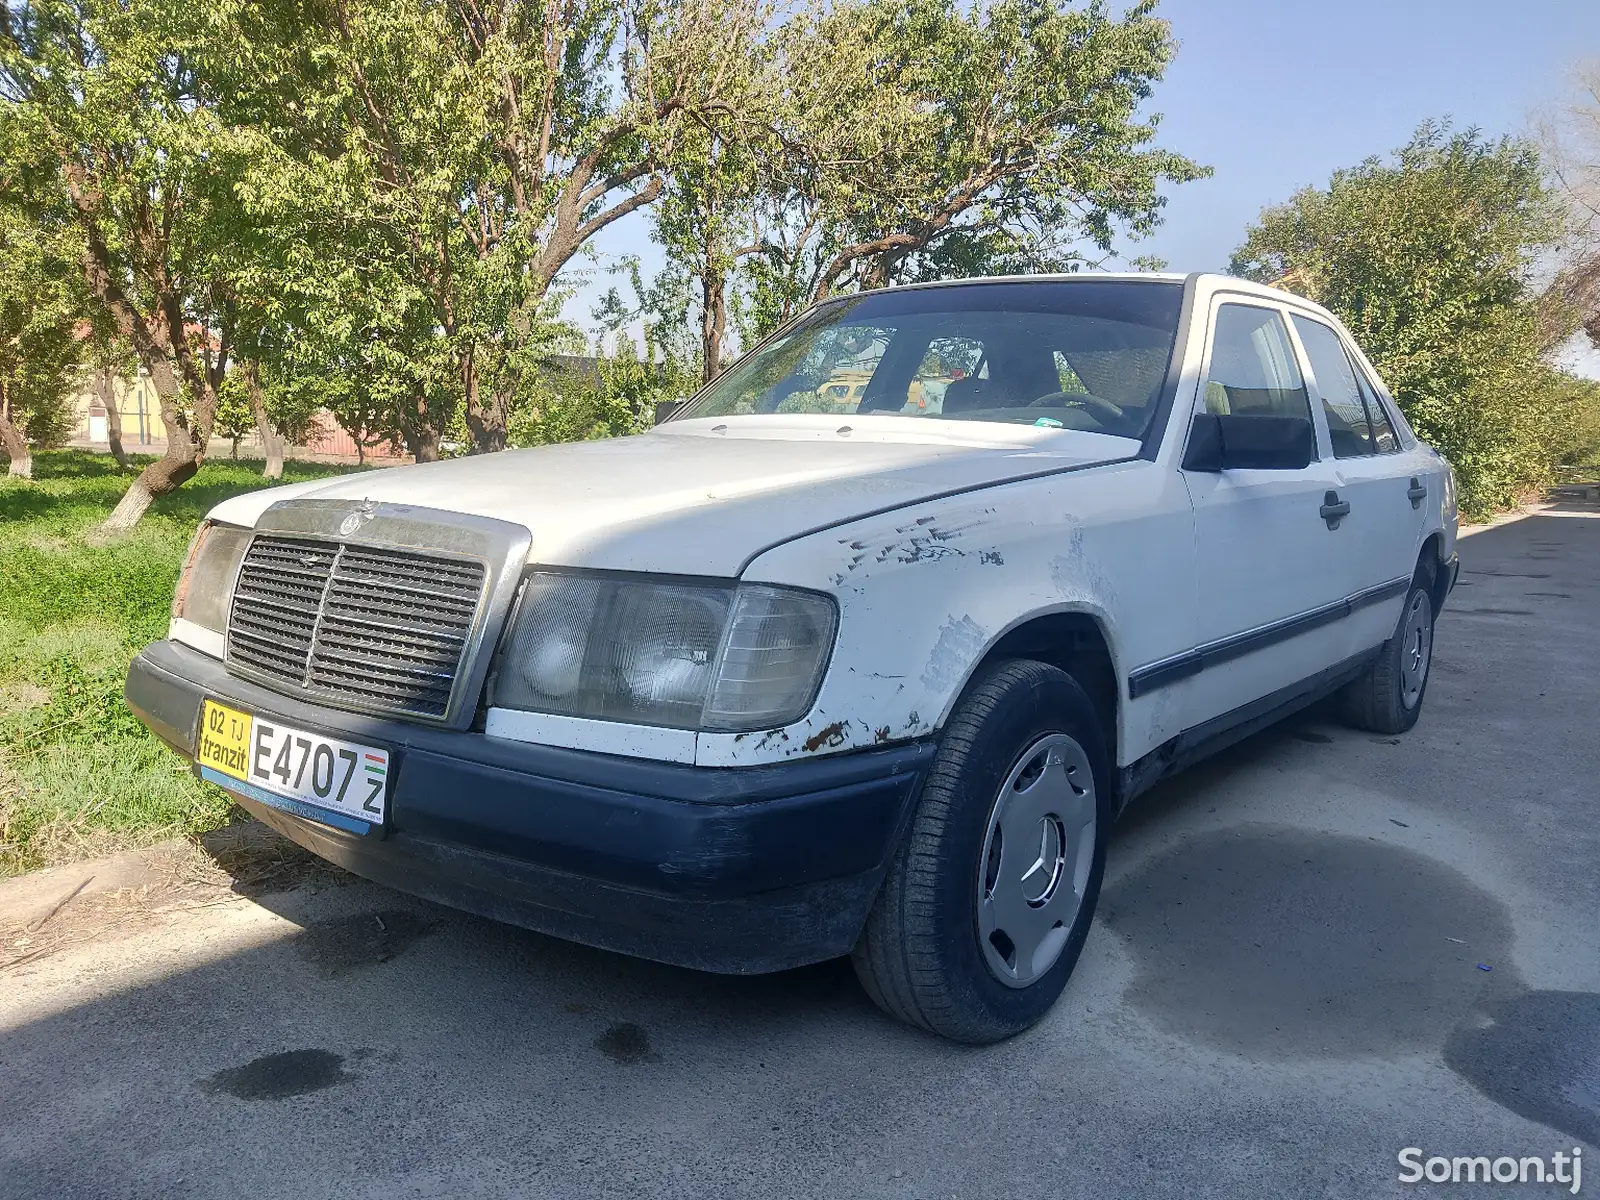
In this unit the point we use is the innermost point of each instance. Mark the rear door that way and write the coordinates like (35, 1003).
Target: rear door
(1271, 572)
(1372, 475)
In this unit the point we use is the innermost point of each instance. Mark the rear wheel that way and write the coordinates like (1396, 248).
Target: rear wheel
(988, 902)
(1387, 697)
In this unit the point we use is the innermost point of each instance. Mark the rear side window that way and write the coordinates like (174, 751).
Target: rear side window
(1253, 371)
(1357, 421)
(1342, 401)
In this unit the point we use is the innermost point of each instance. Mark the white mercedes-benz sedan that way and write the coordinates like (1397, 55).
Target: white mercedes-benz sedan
(860, 651)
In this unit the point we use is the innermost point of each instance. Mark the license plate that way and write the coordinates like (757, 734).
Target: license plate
(343, 784)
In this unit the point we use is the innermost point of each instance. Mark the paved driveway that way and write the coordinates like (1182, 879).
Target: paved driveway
(1284, 990)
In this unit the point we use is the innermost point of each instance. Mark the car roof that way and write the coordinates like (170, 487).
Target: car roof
(1212, 281)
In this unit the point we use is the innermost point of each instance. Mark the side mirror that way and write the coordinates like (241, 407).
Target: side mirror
(1235, 442)
(665, 409)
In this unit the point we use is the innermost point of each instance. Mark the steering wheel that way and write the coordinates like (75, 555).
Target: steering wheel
(1082, 400)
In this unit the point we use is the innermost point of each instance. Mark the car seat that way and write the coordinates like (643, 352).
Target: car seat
(965, 395)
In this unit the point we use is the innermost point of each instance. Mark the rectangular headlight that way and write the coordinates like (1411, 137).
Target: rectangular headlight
(205, 589)
(687, 655)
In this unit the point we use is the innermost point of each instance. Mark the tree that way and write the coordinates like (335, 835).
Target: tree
(271, 438)
(41, 350)
(448, 160)
(706, 221)
(109, 127)
(663, 309)
(927, 138)
(1571, 141)
(1429, 261)
(570, 407)
(234, 419)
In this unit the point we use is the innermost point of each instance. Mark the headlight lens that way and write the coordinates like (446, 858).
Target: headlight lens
(690, 656)
(205, 588)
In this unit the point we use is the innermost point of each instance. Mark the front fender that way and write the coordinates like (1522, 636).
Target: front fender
(927, 591)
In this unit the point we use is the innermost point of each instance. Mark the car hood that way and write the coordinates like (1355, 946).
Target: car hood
(704, 497)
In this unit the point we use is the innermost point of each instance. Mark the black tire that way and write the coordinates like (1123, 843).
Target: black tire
(919, 956)
(1379, 699)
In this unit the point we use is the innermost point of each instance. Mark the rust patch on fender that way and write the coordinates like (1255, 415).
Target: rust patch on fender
(881, 734)
(830, 735)
(768, 736)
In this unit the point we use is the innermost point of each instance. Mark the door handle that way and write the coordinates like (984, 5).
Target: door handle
(1333, 509)
(1417, 492)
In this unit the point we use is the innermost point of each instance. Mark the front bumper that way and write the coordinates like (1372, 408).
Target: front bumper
(737, 870)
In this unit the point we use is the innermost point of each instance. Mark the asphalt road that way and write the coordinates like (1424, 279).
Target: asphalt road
(1283, 991)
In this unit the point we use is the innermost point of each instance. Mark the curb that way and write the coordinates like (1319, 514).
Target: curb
(32, 899)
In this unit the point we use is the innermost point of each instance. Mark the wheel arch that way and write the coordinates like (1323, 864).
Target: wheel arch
(1074, 639)
(1432, 555)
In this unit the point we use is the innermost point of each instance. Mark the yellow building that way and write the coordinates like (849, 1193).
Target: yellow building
(137, 404)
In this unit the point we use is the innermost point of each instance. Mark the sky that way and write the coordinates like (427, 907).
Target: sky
(1274, 95)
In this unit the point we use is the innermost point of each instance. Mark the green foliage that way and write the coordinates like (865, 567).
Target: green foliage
(78, 773)
(374, 202)
(619, 399)
(1428, 261)
(1581, 451)
(429, 169)
(928, 139)
(234, 419)
(40, 299)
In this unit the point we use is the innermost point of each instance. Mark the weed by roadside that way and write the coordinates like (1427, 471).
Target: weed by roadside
(79, 776)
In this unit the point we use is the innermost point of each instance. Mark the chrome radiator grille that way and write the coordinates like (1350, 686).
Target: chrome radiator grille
(364, 627)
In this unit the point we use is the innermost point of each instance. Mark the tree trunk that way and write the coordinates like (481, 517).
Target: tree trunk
(185, 453)
(418, 429)
(423, 442)
(13, 441)
(186, 446)
(713, 320)
(271, 439)
(486, 418)
(160, 477)
(105, 387)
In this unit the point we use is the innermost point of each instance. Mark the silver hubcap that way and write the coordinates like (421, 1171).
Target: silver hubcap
(1416, 648)
(1036, 858)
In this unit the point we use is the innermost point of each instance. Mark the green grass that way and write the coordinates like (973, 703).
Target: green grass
(79, 776)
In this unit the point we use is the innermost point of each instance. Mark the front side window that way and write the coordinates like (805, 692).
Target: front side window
(1088, 354)
(1253, 371)
(1348, 427)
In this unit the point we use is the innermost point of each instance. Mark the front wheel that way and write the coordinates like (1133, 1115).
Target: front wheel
(1387, 696)
(988, 902)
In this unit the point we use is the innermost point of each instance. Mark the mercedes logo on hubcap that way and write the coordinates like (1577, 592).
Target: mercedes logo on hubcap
(1039, 880)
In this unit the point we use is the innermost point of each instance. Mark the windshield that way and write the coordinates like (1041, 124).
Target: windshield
(1076, 354)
